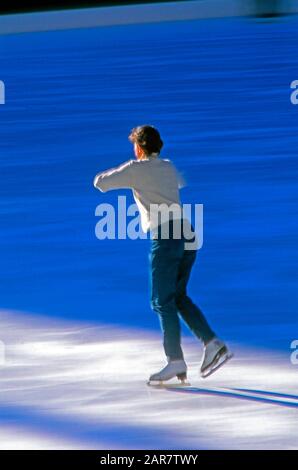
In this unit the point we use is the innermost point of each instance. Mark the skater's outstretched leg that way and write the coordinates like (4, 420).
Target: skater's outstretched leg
(190, 312)
(216, 352)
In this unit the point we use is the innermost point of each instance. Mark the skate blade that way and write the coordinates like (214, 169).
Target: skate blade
(154, 384)
(220, 362)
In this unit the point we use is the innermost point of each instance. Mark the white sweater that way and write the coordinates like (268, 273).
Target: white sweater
(154, 181)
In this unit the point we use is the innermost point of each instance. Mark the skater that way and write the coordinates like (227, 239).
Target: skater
(155, 183)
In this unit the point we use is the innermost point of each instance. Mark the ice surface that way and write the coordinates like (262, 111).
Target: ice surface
(76, 385)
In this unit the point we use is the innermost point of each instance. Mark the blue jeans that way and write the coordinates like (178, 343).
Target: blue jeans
(171, 266)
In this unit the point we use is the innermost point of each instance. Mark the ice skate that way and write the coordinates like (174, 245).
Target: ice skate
(177, 368)
(216, 354)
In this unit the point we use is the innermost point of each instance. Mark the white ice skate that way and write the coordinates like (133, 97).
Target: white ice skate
(216, 354)
(173, 369)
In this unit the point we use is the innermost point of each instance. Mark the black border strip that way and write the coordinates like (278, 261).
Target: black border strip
(47, 5)
(200, 458)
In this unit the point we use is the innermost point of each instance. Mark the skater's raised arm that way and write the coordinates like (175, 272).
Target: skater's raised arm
(115, 178)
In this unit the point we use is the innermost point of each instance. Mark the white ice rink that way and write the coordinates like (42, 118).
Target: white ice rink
(73, 385)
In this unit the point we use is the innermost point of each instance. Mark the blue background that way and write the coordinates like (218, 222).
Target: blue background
(219, 92)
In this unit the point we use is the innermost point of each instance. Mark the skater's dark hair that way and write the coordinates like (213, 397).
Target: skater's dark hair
(147, 137)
